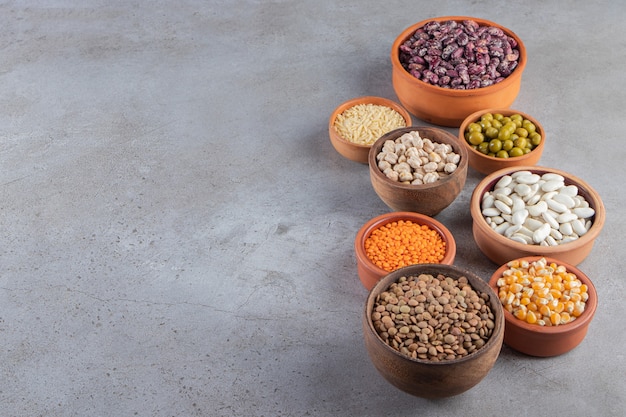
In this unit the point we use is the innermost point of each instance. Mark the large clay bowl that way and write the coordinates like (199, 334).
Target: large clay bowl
(486, 164)
(429, 199)
(501, 249)
(544, 341)
(448, 107)
(355, 151)
(422, 377)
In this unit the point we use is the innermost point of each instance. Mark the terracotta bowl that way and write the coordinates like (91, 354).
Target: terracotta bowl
(448, 107)
(544, 341)
(422, 377)
(429, 199)
(354, 151)
(501, 249)
(486, 164)
(370, 273)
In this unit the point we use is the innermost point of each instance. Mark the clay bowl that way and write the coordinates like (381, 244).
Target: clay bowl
(429, 199)
(501, 249)
(423, 377)
(355, 151)
(486, 164)
(544, 341)
(370, 273)
(449, 107)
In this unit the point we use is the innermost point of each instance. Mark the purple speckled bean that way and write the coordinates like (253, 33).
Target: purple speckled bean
(459, 55)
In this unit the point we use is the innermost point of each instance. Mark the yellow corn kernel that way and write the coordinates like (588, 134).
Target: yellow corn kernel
(569, 307)
(533, 307)
(520, 313)
(559, 307)
(556, 293)
(516, 288)
(541, 301)
(531, 317)
(575, 297)
(544, 310)
(579, 307)
(555, 318)
(565, 317)
(509, 308)
(583, 288)
(524, 301)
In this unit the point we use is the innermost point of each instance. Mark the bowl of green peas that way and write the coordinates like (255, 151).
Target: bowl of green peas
(501, 138)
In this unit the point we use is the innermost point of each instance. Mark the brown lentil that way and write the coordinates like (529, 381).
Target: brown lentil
(410, 317)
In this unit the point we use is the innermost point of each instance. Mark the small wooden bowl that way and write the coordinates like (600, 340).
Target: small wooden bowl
(486, 164)
(501, 249)
(429, 199)
(424, 378)
(369, 273)
(354, 151)
(544, 341)
(448, 107)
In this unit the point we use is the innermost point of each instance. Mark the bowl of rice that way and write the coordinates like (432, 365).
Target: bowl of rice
(356, 124)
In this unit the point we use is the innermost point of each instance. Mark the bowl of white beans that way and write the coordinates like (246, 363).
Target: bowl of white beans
(532, 210)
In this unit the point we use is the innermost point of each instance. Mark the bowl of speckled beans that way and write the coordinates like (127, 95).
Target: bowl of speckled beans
(532, 210)
(433, 330)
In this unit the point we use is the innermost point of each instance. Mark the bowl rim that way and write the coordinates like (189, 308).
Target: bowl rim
(406, 34)
(487, 183)
(583, 320)
(391, 277)
(374, 223)
(383, 101)
(462, 165)
(514, 159)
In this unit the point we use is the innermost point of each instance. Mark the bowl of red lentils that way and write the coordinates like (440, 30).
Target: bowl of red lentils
(433, 330)
(356, 124)
(548, 305)
(394, 240)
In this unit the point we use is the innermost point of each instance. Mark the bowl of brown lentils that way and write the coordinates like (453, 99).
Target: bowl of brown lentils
(433, 330)
(445, 68)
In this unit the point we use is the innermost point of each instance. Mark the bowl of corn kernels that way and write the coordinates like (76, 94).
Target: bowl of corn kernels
(548, 305)
(393, 240)
(356, 124)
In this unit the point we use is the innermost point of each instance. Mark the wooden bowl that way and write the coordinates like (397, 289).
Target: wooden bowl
(544, 341)
(355, 151)
(448, 107)
(422, 377)
(501, 249)
(486, 164)
(370, 273)
(429, 199)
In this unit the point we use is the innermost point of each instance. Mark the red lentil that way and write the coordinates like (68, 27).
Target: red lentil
(402, 243)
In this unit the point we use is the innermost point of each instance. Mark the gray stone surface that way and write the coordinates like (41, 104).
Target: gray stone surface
(176, 229)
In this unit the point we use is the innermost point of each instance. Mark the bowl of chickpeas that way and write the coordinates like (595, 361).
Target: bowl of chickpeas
(418, 168)
(433, 330)
(393, 240)
(535, 210)
(498, 138)
(357, 123)
(548, 305)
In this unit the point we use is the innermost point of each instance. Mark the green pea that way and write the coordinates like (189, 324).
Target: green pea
(474, 127)
(528, 125)
(487, 116)
(516, 151)
(498, 116)
(502, 154)
(521, 142)
(520, 131)
(535, 138)
(491, 132)
(495, 145)
(475, 137)
(504, 134)
(484, 147)
(496, 123)
(507, 145)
